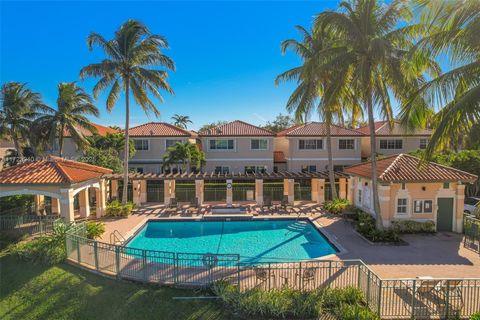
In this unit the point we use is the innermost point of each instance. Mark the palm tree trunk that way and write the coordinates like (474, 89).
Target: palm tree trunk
(126, 148)
(376, 200)
(60, 141)
(331, 172)
(17, 145)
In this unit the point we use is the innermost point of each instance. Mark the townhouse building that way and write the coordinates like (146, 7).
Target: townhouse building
(393, 140)
(237, 147)
(151, 142)
(303, 148)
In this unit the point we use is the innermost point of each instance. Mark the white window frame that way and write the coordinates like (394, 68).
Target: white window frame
(259, 149)
(397, 205)
(422, 206)
(422, 144)
(139, 139)
(176, 140)
(310, 140)
(354, 144)
(391, 144)
(209, 141)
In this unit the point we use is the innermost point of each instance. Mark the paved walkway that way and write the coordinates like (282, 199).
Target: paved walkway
(439, 255)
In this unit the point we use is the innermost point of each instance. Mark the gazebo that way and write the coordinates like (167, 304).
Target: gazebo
(59, 179)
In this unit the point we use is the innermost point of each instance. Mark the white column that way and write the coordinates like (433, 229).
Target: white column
(101, 199)
(199, 186)
(259, 191)
(84, 203)
(229, 192)
(114, 189)
(289, 190)
(66, 205)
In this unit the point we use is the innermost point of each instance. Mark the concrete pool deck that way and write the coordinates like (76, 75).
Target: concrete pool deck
(441, 255)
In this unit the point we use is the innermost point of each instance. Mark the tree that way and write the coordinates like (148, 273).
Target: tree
(130, 53)
(211, 125)
(185, 156)
(375, 51)
(453, 30)
(181, 121)
(317, 89)
(20, 106)
(106, 158)
(280, 123)
(73, 107)
(113, 141)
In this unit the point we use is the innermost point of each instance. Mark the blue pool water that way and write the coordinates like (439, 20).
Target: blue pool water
(266, 240)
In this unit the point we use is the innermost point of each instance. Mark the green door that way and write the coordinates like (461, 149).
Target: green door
(445, 214)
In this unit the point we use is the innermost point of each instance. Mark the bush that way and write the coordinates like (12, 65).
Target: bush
(410, 226)
(475, 316)
(117, 209)
(293, 304)
(95, 229)
(355, 312)
(367, 228)
(336, 206)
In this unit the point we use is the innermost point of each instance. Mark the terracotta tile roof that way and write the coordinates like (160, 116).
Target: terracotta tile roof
(405, 168)
(236, 128)
(53, 170)
(101, 130)
(382, 128)
(315, 129)
(279, 156)
(158, 129)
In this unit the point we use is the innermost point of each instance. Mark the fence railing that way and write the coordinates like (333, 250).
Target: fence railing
(471, 229)
(390, 298)
(303, 193)
(28, 224)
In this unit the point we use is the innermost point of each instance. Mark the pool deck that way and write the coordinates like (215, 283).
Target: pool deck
(441, 255)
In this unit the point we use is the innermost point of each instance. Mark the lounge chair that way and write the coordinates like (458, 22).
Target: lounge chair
(173, 204)
(285, 204)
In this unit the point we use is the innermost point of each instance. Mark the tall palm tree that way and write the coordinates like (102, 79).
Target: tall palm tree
(131, 51)
(316, 90)
(73, 107)
(181, 121)
(20, 106)
(376, 53)
(185, 156)
(453, 30)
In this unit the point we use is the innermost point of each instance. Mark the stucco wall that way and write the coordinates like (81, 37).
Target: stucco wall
(410, 143)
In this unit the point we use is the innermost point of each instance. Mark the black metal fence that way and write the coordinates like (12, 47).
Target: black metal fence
(155, 191)
(185, 192)
(28, 224)
(471, 229)
(273, 191)
(243, 191)
(215, 192)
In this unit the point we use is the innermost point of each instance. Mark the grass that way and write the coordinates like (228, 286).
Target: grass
(35, 291)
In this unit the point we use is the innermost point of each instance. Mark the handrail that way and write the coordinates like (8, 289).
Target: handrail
(116, 237)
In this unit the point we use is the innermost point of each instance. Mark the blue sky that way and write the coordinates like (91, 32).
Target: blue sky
(227, 53)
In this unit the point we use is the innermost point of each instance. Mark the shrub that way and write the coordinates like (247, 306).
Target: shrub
(95, 229)
(117, 209)
(410, 226)
(366, 227)
(336, 206)
(293, 304)
(355, 312)
(475, 316)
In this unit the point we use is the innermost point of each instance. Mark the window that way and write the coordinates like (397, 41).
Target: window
(309, 168)
(259, 144)
(391, 144)
(310, 144)
(171, 142)
(338, 168)
(428, 206)
(141, 144)
(422, 206)
(221, 144)
(346, 144)
(402, 206)
(446, 185)
(222, 170)
(418, 206)
(255, 169)
(423, 143)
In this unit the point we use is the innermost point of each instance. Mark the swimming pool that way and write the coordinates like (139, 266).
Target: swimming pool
(253, 240)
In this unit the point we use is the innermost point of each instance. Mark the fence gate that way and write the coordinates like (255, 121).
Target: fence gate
(185, 192)
(215, 192)
(155, 191)
(243, 191)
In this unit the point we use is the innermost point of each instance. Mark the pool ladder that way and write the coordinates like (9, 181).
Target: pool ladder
(116, 237)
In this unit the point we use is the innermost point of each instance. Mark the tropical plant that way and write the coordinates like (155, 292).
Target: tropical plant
(336, 206)
(452, 30)
(132, 50)
(112, 141)
(20, 106)
(117, 209)
(94, 229)
(185, 156)
(280, 123)
(375, 56)
(73, 107)
(181, 121)
(211, 125)
(106, 158)
(317, 88)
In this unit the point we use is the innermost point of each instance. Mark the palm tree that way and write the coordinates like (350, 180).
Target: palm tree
(316, 90)
(73, 106)
(181, 121)
(453, 30)
(376, 54)
(19, 107)
(130, 52)
(187, 155)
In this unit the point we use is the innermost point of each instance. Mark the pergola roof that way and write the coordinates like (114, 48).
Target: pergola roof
(52, 170)
(221, 176)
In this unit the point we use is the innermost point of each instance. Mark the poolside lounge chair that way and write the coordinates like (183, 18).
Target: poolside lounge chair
(173, 204)
(284, 204)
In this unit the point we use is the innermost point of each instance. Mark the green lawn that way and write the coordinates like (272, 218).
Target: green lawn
(30, 291)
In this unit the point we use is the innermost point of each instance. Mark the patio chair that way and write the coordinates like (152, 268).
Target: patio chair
(194, 205)
(173, 204)
(284, 204)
